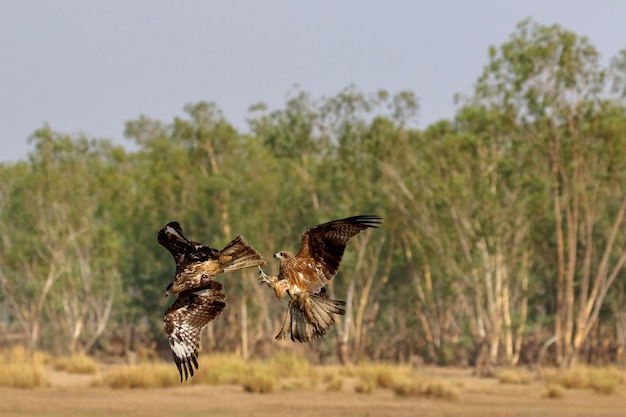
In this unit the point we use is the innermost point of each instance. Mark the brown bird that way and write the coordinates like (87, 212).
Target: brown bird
(200, 298)
(303, 277)
(185, 319)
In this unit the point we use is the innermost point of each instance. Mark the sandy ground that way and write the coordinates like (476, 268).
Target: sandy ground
(70, 395)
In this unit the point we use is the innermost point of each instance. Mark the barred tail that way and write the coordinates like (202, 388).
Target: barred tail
(238, 254)
(309, 317)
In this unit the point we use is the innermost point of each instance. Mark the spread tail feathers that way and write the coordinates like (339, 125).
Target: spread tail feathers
(309, 317)
(238, 254)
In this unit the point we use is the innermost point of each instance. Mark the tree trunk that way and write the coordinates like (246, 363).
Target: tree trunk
(244, 327)
(343, 346)
(519, 332)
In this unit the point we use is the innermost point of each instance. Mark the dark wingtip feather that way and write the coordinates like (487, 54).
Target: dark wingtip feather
(190, 365)
(178, 365)
(369, 220)
(185, 366)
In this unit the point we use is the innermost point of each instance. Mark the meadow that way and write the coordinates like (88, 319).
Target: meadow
(288, 385)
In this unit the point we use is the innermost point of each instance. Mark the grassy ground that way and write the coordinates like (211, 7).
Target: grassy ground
(70, 395)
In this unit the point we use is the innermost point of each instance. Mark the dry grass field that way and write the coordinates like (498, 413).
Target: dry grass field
(68, 394)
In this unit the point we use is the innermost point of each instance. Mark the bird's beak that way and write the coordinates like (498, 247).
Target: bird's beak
(168, 291)
(174, 232)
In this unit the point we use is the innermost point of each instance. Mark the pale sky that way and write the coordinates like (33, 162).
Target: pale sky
(91, 66)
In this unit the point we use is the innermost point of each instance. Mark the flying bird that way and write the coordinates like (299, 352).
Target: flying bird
(303, 277)
(200, 299)
(185, 319)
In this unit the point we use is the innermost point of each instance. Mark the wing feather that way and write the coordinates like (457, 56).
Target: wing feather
(184, 322)
(325, 244)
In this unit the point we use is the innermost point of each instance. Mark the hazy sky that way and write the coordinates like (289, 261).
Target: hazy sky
(91, 66)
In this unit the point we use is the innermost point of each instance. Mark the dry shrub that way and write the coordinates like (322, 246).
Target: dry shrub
(333, 382)
(21, 368)
(260, 377)
(75, 364)
(327, 373)
(554, 391)
(295, 370)
(256, 375)
(293, 385)
(19, 354)
(22, 375)
(425, 387)
(574, 378)
(140, 376)
(514, 376)
(604, 386)
(365, 386)
(601, 380)
(440, 389)
(334, 385)
(220, 370)
(290, 366)
(348, 371)
(259, 383)
(147, 354)
(382, 376)
(385, 376)
(366, 382)
(605, 380)
(372, 376)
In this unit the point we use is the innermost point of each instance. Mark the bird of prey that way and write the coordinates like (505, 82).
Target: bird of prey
(185, 319)
(304, 276)
(200, 299)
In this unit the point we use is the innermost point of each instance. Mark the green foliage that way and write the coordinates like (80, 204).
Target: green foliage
(468, 253)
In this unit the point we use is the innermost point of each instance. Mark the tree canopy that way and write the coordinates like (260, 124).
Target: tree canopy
(504, 238)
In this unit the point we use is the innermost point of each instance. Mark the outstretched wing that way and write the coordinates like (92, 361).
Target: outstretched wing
(325, 245)
(186, 318)
(184, 251)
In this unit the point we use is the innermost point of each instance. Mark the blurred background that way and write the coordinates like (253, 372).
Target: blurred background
(489, 135)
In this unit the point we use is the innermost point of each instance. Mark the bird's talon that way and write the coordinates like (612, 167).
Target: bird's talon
(263, 276)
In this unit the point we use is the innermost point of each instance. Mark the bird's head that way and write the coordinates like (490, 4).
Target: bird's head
(174, 231)
(283, 255)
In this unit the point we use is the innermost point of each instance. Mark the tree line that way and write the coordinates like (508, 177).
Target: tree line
(503, 242)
